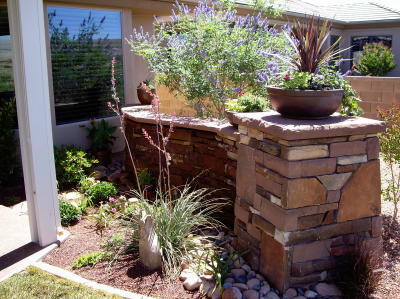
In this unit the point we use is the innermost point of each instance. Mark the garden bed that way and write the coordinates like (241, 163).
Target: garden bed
(127, 273)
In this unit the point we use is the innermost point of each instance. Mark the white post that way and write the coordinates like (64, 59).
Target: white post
(27, 28)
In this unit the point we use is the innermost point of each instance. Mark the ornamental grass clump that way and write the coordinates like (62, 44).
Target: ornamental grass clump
(209, 53)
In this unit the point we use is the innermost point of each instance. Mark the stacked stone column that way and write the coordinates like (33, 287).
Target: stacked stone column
(308, 192)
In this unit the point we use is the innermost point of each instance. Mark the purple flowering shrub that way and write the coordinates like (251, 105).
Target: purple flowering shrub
(210, 54)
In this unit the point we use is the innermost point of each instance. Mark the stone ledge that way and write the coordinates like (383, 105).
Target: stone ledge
(143, 114)
(294, 129)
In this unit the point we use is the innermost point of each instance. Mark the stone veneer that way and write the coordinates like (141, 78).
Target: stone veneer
(198, 147)
(307, 192)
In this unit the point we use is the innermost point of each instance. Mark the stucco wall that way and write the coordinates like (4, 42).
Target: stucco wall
(376, 92)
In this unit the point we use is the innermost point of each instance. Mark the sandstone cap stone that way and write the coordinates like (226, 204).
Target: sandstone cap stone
(294, 129)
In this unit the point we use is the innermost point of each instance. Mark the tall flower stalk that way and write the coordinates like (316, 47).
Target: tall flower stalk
(115, 106)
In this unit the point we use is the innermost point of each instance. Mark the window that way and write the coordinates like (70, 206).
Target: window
(358, 42)
(82, 44)
(6, 71)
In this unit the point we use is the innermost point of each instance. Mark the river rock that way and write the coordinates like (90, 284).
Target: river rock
(272, 295)
(311, 294)
(229, 279)
(238, 273)
(193, 282)
(241, 286)
(246, 268)
(185, 274)
(232, 293)
(325, 289)
(254, 284)
(290, 293)
(265, 289)
(251, 294)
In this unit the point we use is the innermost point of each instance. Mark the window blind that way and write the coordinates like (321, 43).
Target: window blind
(82, 43)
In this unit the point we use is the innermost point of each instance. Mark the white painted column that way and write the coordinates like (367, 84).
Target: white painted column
(27, 28)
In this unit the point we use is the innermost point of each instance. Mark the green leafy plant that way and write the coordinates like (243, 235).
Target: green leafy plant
(247, 103)
(146, 178)
(10, 167)
(101, 136)
(376, 59)
(220, 266)
(390, 151)
(69, 213)
(210, 53)
(72, 164)
(89, 259)
(101, 192)
(102, 219)
(86, 182)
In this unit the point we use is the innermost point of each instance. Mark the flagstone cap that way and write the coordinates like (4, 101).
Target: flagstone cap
(274, 124)
(143, 114)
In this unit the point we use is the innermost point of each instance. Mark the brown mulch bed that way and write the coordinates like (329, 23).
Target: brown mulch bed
(127, 273)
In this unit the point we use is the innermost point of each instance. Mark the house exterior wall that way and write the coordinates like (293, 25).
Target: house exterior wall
(142, 14)
(347, 34)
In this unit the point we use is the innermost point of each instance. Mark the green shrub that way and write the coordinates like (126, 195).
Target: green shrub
(390, 151)
(86, 182)
(221, 53)
(69, 213)
(376, 59)
(145, 176)
(89, 259)
(101, 192)
(247, 103)
(72, 165)
(101, 136)
(10, 166)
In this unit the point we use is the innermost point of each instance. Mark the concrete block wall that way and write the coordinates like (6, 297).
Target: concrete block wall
(376, 92)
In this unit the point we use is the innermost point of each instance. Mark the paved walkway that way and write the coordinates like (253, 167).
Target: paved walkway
(14, 224)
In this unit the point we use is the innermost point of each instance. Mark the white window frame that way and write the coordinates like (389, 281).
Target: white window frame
(127, 57)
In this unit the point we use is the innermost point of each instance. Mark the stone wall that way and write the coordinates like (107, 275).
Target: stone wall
(199, 148)
(307, 192)
(376, 92)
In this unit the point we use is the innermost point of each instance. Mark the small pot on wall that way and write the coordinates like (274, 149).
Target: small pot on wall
(229, 116)
(305, 104)
(145, 97)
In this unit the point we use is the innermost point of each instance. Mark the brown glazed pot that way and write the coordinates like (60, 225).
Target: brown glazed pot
(305, 104)
(145, 98)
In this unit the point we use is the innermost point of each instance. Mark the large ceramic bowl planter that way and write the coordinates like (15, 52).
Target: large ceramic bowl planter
(305, 104)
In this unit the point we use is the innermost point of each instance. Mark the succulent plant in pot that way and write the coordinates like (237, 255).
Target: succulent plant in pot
(306, 92)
